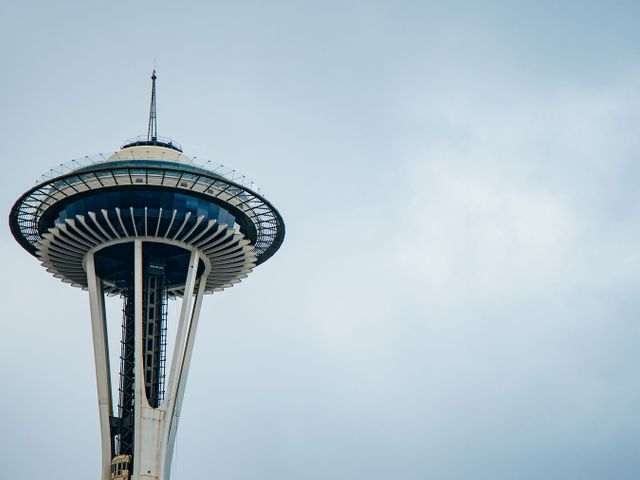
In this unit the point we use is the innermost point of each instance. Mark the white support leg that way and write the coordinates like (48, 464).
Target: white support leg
(177, 365)
(148, 420)
(140, 393)
(154, 428)
(101, 358)
(190, 342)
(183, 373)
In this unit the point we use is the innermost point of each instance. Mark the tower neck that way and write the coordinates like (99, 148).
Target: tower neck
(152, 132)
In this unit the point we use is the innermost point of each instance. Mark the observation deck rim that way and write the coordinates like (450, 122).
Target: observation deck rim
(19, 225)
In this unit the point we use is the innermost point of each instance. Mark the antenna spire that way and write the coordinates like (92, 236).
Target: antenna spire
(152, 132)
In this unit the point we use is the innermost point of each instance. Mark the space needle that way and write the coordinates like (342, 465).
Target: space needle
(151, 225)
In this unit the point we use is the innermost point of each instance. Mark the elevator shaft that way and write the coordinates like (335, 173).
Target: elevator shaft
(154, 344)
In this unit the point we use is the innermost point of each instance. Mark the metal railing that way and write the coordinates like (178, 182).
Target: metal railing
(158, 140)
(218, 169)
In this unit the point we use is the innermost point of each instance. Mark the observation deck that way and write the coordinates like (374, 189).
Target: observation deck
(148, 189)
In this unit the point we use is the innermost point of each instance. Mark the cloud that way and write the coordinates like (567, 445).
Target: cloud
(456, 297)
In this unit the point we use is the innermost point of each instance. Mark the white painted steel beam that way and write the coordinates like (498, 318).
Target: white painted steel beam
(101, 359)
(183, 375)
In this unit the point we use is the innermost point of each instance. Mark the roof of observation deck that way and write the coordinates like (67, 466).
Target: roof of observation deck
(145, 140)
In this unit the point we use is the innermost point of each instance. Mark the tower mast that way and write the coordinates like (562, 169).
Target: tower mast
(152, 132)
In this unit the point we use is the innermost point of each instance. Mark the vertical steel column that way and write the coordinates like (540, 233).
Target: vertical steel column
(174, 416)
(140, 394)
(180, 362)
(101, 359)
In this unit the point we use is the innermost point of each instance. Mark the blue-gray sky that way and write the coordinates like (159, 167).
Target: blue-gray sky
(456, 298)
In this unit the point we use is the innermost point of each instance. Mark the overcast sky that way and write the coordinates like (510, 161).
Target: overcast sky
(457, 294)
